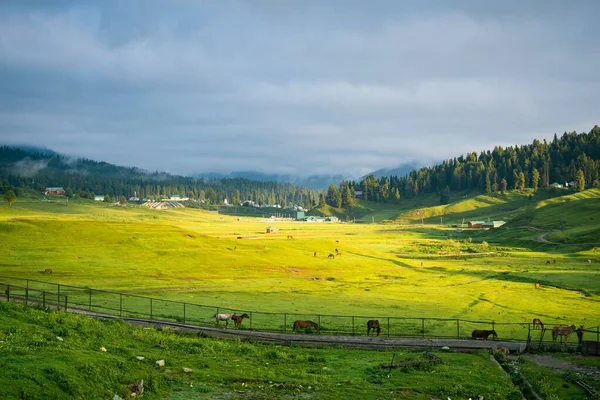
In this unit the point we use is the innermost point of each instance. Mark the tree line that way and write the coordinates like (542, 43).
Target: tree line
(31, 169)
(571, 157)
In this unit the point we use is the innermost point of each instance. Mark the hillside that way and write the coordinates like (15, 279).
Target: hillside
(48, 354)
(36, 169)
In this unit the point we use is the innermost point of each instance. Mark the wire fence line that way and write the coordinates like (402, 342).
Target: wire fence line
(48, 294)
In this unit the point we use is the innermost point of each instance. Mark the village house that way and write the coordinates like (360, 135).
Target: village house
(99, 197)
(54, 191)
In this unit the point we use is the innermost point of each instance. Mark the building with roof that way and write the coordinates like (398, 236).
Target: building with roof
(54, 191)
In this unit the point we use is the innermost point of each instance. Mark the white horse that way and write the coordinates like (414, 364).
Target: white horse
(223, 317)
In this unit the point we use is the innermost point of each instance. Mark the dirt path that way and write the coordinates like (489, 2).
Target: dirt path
(556, 363)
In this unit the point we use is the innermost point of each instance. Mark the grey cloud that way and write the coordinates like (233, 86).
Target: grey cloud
(340, 87)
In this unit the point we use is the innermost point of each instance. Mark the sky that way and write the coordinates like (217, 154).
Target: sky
(294, 87)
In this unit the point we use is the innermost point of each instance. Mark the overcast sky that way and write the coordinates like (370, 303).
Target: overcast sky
(299, 87)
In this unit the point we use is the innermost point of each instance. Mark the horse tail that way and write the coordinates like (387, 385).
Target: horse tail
(378, 329)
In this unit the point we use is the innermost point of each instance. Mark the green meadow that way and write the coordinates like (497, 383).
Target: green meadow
(402, 268)
(54, 355)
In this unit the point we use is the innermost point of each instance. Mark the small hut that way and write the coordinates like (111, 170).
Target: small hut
(272, 229)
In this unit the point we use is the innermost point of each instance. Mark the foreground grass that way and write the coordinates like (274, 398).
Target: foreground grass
(37, 365)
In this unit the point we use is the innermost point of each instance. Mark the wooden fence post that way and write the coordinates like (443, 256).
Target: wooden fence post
(319, 319)
(44, 299)
(184, 312)
(494, 329)
(151, 314)
(66, 302)
(120, 304)
(458, 329)
(422, 327)
(285, 322)
(90, 302)
(58, 297)
(388, 318)
(7, 292)
(353, 326)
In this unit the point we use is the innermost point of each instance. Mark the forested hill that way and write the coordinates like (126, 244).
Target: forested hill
(571, 157)
(40, 168)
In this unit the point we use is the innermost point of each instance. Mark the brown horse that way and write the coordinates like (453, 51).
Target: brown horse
(538, 285)
(373, 324)
(305, 324)
(48, 271)
(537, 322)
(562, 331)
(237, 319)
(483, 334)
(330, 256)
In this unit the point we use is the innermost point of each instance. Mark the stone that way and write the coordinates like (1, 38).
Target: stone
(103, 349)
(140, 358)
(187, 370)
(446, 348)
(117, 397)
(160, 363)
(59, 339)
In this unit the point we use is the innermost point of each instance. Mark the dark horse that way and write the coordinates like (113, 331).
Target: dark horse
(373, 324)
(305, 324)
(483, 334)
(537, 323)
(237, 319)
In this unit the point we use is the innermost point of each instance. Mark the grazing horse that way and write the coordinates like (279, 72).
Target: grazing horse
(562, 331)
(48, 271)
(237, 319)
(290, 237)
(537, 322)
(548, 262)
(331, 256)
(483, 334)
(223, 317)
(315, 254)
(538, 285)
(373, 324)
(305, 324)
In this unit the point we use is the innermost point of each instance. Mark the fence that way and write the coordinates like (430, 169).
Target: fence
(46, 294)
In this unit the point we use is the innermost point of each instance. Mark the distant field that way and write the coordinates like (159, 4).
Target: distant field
(384, 270)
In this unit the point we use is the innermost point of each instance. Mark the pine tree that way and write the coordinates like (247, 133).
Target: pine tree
(503, 185)
(347, 197)
(396, 194)
(521, 181)
(488, 183)
(535, 179)
(332, 194)
(580, 181)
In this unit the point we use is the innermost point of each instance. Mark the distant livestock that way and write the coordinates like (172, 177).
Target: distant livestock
(305, 324)
(237, 319)
(538, 285)
(48, 271)
(483, 334)
(562, 331)
(330, 256)
(537, 323)
(223, 317)
(373, 324)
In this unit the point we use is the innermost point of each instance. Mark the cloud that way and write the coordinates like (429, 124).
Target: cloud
(296, 88)
(28, 167)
